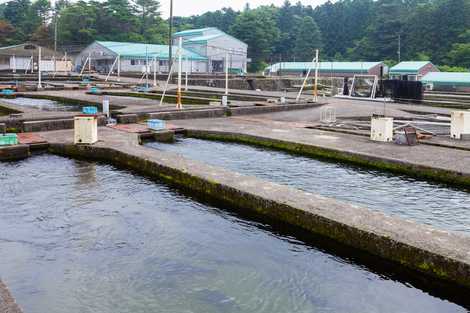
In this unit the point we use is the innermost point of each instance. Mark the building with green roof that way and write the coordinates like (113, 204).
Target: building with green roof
(330, 69)
(221, 49)
(412, 70)
(447, 81)
(134, 57)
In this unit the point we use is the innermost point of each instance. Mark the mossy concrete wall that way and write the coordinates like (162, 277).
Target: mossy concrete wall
(436, 253)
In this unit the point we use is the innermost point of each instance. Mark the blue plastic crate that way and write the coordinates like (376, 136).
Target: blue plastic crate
(156, 124)
(8, 139)
(90, 110)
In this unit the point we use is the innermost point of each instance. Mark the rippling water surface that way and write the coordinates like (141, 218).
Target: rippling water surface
(42, 104)
(79, 237)
(421, 201)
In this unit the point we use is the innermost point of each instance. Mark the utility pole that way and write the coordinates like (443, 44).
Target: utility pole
(170, 39)
(399, 48)
(55, 42)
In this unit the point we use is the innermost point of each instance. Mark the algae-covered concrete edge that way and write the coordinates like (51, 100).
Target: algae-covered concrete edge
(436, 253)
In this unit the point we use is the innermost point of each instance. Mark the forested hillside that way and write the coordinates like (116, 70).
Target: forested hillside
(438, 30)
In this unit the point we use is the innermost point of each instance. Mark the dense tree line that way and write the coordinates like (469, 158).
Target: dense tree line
(438, 30)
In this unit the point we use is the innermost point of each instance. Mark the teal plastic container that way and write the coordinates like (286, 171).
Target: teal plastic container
(156, 124)
(90, 110)
(8, 139)
(8, 92)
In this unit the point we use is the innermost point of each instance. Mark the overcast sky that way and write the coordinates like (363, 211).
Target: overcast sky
(194, 7)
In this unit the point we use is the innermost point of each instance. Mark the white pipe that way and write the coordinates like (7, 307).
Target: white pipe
(89, 63)
(155, 71)
(111, 69)
(180, 70)
(14, 64)
(186, 80)
(119, 67)
(226, 74)
(39, 69)
(84, 66)
(167, 82)
(315, 90)
(305, 81)
(32, 64)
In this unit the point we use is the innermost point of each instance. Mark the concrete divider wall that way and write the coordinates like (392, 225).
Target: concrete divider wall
(436, 253)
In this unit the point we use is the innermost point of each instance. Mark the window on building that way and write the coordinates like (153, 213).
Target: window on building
(133, 62)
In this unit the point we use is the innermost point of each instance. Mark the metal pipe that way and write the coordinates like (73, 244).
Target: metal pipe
(179, 104)
(39, 69)
(226, 74)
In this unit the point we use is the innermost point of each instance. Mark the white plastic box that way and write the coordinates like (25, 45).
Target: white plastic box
(381, 129)
(86, 129)
(459, 124)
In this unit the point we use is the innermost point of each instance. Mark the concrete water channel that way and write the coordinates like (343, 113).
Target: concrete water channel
(78, 236)
(43, 104)
(429, 203)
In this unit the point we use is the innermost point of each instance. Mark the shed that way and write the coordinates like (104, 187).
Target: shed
(447, 81)
(412, 70)
(25, 57)
(133, 57)
(334, 69)
(216, 46)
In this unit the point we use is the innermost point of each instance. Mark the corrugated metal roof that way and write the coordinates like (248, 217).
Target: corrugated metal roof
(28, 49)
(343, 67)
(189, 32)
(142, 50)
(203, 39)
(447, 78)
(408, 67)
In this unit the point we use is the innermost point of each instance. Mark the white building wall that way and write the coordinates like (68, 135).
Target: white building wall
(96, 51)
(237, 51)
(22, 63)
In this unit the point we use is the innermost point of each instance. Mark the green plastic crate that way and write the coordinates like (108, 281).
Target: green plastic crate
(8, 139)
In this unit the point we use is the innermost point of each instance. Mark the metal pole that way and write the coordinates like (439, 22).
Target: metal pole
(170, 39)
(14, 64)
(399, 48)
(39, 69)
(305, 81)
(146, 67)
(119, 67)
(226, 74)
(89, 63)
(180, 69)
(186, 80)
(155, 71)
(315, 87)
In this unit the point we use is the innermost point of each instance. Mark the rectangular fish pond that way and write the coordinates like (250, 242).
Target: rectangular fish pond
(81, 237)
(43, 104)
(424, 202)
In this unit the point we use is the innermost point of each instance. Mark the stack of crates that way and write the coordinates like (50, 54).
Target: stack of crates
(8, 139)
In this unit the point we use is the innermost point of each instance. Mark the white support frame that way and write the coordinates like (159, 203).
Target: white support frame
(112, 68)
(374, 85)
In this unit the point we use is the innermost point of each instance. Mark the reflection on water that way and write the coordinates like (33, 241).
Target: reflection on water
(42, 104)
(424, 202)
(79, 237)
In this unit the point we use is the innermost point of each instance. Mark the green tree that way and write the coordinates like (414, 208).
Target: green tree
(307, 40)
(460, 55)
(258, 29)
(6, 33)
